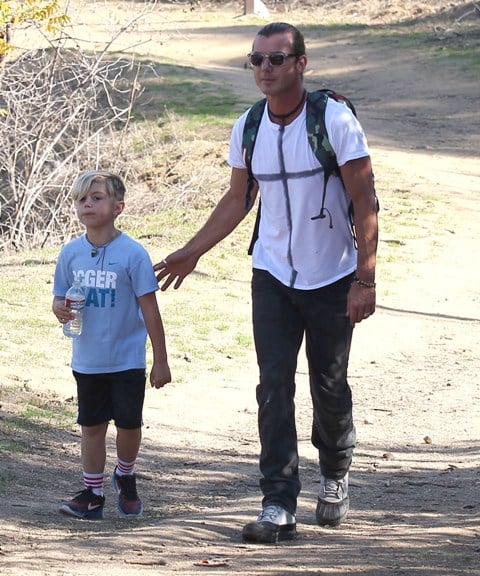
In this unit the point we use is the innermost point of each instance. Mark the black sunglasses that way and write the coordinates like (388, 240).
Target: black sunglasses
(275, 58)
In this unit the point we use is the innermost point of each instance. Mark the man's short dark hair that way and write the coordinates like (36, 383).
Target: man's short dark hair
(281, 28)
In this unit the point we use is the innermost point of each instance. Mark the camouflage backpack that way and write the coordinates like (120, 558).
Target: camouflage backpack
(317, 137)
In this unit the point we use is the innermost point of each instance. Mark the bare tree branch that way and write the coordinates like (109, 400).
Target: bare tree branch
(61, 105)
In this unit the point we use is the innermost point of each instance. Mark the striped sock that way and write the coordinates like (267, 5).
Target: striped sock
(125, 468)
(94, 482)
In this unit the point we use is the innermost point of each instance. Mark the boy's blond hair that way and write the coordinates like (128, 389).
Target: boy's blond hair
(113, 184)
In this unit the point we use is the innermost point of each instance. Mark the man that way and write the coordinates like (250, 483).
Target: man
(308, 278)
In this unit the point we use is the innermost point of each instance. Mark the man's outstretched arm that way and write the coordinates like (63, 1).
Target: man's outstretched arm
(226, 216)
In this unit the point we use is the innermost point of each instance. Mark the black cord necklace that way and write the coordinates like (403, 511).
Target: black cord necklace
(97, 247)
(283, 117)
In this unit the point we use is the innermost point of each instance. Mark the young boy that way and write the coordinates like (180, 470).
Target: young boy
(109, 357)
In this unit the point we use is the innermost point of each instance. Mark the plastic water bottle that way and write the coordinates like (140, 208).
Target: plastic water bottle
(75, 300)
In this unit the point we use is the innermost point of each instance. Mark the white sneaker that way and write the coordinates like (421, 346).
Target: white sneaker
(272, 525)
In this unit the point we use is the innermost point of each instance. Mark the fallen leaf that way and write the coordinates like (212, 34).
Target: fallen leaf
(211, 562)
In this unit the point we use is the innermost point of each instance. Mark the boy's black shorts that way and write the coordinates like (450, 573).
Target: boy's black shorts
(116, 396)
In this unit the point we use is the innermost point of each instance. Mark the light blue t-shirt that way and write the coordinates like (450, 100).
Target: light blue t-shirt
(114, 335)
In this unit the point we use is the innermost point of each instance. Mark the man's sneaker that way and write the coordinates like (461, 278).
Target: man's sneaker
(85, 504)
(333, 501)
(272, 525)
(129, 503)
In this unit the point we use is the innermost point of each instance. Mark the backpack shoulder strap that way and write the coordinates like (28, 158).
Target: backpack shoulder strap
(318, 138)
(317, 131)
(319, 142)
(339, 98)
(250, 131)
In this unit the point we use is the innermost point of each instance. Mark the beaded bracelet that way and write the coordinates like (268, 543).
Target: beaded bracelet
(363, 283)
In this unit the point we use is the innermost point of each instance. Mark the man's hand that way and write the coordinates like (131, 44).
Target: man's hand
(175, 268)
(361, 303)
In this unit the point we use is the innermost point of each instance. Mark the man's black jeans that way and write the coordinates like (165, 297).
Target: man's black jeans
(281, 317)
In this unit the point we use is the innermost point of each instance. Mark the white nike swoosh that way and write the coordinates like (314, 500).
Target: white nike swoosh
(93, 506)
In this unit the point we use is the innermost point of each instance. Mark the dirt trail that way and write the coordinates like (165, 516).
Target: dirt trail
(414, 372)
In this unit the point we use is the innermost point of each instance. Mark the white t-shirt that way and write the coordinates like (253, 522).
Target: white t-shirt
(301, 252)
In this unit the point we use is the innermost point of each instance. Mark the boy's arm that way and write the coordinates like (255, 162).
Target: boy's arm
(160, 373)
